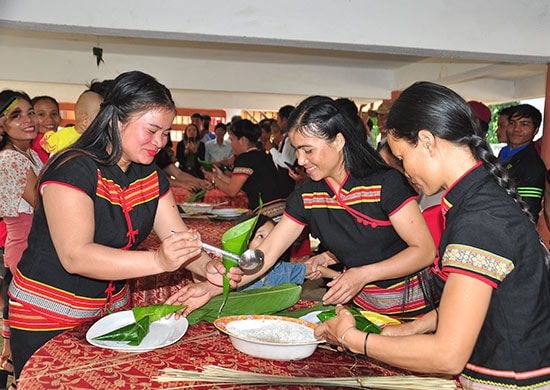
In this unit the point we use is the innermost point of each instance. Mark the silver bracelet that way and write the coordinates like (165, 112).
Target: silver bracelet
(344, 335)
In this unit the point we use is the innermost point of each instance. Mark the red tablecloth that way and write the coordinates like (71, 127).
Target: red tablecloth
(213, 196)
(69, 362)
(153, 289)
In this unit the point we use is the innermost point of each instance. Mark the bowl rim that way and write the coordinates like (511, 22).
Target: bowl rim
(222, 322)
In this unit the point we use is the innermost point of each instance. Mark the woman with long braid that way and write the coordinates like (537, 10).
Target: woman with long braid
(493, 322)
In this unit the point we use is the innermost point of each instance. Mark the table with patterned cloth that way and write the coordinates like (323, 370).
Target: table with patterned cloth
(153, 289)
(213, 196)
(68, 361)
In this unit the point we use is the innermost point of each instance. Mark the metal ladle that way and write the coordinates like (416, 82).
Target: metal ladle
(250, 260)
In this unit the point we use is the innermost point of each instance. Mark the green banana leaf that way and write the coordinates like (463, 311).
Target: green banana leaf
(135, 332)
(197, 196)
(235, 240)
(263, 300)
(207, 165)
(361, 322)
(155, 312)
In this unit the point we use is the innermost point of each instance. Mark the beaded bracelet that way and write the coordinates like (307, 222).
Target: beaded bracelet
(343, 335)
(365, 344)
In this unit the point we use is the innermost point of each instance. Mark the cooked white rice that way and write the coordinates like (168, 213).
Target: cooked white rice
(271, 331)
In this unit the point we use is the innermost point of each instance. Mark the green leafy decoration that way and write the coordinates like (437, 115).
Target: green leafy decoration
(98, 53)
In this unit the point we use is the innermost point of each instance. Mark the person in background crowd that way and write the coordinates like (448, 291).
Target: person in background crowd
(165, 159)
(189, 150)
(46, 109)
(266, 134)
(218, 149)
(483, 115)
(253, 171)
(196, 119)
(489, 284)
(381, 114)
(521, 158)
(502, 124)
(85, 110)
(113, 196)
(284, 155)
(19, 168)
(206, 135)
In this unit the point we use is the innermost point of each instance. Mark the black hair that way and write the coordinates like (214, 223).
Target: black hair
(321, 117)
(131, 93)
(285, 111)
(526, 111)
(100, 87)
(350, 108)
(36, 99)
(222, 125)
(446, 115)
(262, 220)
(192, 139)
(5, 97)
(196, 115)
(247, 129)
(506, 111)
(266, 124)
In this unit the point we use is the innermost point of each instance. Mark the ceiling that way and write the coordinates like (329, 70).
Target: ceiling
(255, 72)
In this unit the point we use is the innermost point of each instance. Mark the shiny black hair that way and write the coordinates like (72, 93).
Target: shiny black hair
(131, 93)
(438, 109)
(325, 118)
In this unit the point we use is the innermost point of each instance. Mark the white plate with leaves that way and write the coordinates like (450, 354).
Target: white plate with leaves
(228, 212)
(161, 333)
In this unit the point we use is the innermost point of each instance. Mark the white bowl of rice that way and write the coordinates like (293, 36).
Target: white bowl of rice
(270, 337)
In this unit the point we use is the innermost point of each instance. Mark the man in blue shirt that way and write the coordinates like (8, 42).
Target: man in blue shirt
(521, 158)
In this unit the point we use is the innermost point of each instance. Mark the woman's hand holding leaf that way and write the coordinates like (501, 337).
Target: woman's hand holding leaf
(215, 270)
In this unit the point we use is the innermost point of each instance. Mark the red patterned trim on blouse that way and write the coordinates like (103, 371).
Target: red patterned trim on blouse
(58, 308)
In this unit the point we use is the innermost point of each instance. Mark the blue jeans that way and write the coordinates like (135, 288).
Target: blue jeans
(282, 272)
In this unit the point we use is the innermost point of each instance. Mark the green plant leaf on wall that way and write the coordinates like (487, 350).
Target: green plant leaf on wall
(98, 53)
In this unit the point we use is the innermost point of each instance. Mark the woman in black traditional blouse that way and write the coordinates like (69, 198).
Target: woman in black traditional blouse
(253, 172)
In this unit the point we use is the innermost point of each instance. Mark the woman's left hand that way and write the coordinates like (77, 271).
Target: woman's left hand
(333, 329)
(344, 287)
(215, 271)
(193, 295)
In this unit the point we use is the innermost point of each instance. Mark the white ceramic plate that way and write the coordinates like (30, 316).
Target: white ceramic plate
(312, 317)
(228, 212)
(196, 208)
(161, 333)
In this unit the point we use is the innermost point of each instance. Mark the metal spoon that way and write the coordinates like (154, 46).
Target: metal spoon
(250, 260)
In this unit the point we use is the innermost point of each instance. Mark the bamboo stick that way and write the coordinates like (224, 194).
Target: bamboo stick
(215, 374)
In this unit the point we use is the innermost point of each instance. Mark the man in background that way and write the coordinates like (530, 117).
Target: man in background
(217, 149)
(520, 156)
